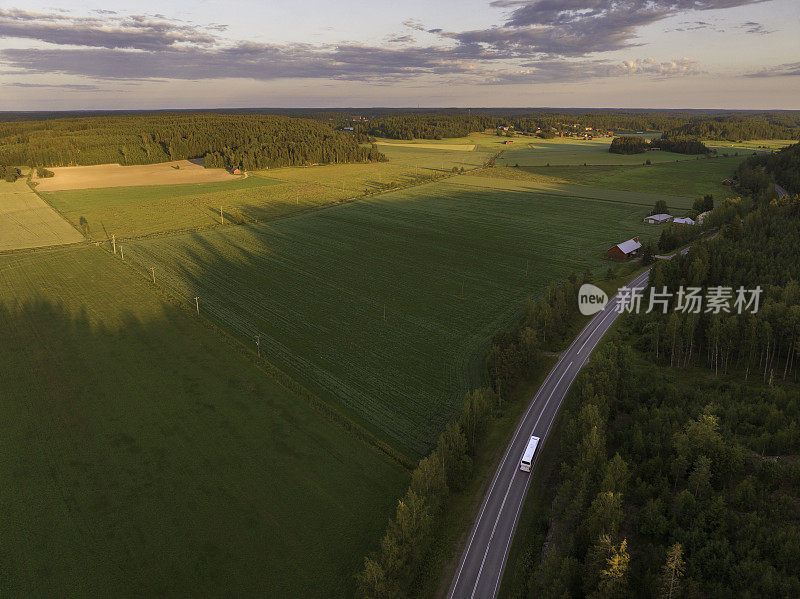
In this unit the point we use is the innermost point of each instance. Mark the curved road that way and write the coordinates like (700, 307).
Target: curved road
(483, 561)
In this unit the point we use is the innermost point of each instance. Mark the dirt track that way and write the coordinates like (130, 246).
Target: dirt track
(114, 175)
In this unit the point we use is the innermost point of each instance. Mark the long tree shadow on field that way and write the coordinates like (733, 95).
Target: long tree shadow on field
(385, 308)
(148, 455)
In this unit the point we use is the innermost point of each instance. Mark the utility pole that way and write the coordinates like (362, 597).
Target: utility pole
(221, 216)
(153, 270)
(114, 242)
(197, 304)
(258, 345)
(121, 253)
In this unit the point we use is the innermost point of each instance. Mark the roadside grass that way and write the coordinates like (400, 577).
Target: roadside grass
(692, 178)
(142, 451)
(384, 306)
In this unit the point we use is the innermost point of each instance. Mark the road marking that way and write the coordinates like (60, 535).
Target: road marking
(590, 329)
(513, 476)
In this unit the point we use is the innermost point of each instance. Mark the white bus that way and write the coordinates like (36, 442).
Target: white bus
(527, 457)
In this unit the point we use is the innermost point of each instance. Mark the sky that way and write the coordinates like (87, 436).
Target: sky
(724, 54)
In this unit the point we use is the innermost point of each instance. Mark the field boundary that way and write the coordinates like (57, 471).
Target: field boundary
(279, 376)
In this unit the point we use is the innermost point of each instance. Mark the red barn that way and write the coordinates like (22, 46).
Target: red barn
(624, 250)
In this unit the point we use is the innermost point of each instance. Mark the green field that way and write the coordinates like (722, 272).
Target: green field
(264, 195)
(144, 456)
(433, 159)
(575, 152)
(315, 288)
(692, 178)
(752, 144)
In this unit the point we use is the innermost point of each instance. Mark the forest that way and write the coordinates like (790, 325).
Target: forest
(226, 141)
(628, 144)
(430, 126)
(738, 128)
(678, 474)
(760, 171)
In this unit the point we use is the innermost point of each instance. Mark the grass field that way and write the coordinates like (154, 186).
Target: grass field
(575, 152)
(753, 144)
(315, 288)
(264, 195)
(691, 178)
(143, 456)
(557, 187)
(432, 159)
(26, 221)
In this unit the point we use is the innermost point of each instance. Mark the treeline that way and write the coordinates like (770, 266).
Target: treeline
(391, 571)
(227, 141)
(631, 144)
(669, 486)
(430, 126)
(759, 172)
(680, 145)
(628, 144)
(740, 128)
(9, 173)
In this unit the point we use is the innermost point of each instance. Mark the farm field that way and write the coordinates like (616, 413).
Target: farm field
(752, 144)
(556, 187)
(115, 175)
(264, 195)
(27, 222)
(575, 152)
(141, 452)
(446, 262)
(692, 178)
(135, 211)
(423, 158)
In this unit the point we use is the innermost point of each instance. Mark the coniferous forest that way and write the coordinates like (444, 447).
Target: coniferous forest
(226, 141)
(678, 473)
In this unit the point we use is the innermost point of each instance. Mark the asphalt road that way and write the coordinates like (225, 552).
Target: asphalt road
(483, 561)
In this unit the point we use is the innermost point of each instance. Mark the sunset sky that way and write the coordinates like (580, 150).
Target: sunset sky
(562, 53)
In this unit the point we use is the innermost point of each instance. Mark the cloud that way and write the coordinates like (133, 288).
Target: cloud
(64, 86)
(397, 38)
(134, 31)
(791, 69)
(580, 27)
(542, 40)
(756, 28)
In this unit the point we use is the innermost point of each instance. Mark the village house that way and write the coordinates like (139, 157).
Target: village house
(624, 250)
(656, 219)
(680, 221)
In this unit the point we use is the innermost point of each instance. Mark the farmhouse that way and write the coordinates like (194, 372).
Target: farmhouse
(624, 250)
(682, 221)
(655, 219)
(728, 182)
